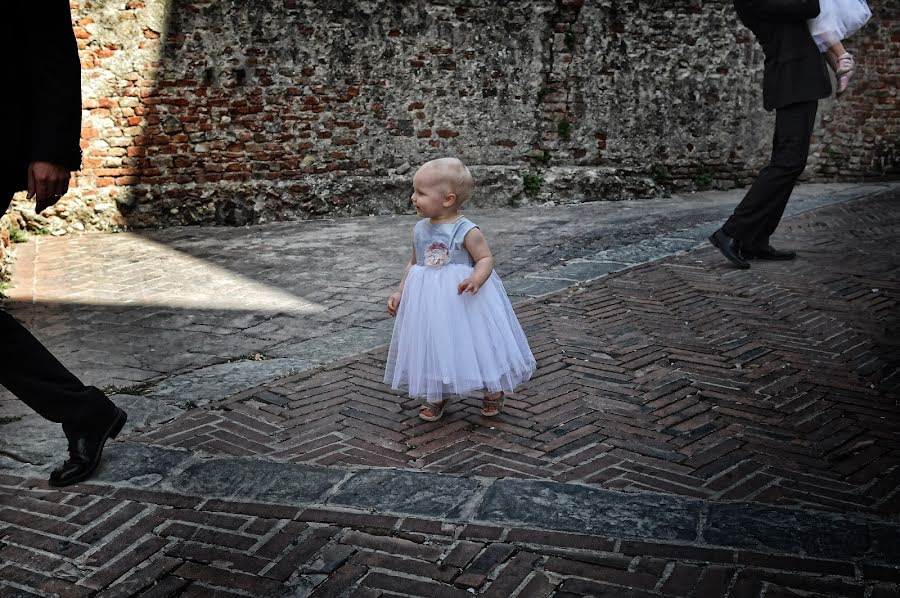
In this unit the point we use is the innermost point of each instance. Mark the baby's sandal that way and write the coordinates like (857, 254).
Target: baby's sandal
(431, 412)
(492, 407)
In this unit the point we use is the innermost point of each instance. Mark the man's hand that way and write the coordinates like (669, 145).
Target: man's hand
(394, 303)
(47, 182)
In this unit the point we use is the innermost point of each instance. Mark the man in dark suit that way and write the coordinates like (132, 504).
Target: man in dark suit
(41, 123)
(794, 80)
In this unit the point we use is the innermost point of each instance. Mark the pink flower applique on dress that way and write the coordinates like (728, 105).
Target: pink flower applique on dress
(437, 254)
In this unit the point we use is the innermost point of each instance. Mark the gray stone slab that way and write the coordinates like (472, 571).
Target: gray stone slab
(670, 245)
(218, 381)
(576, 508)
(145, 412)
(815, 534)
(699, 234)
(33, 441)
(535, 287)
(140, 465)
(255, 480)
(411, 493)
(357, 339)
(19, 468)
(580, 270)
(644, 251)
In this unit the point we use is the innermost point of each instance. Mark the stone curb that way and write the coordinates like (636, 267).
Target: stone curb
(547, 505)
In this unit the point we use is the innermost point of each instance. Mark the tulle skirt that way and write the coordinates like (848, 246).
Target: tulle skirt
(838, 20)
(450, 344)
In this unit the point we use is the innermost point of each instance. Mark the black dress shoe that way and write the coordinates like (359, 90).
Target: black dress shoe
(768, 253)
(729, 248)
(85, 451)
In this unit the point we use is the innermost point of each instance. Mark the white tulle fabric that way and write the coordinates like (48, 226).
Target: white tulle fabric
(449, 344)
(838, 20)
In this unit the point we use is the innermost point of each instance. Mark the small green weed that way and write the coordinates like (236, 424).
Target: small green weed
(564, 128)
(834, 154)
(17, 236)
(141, 388)
(532, 184)
(8, 420)
(703, 180)
(255, 356)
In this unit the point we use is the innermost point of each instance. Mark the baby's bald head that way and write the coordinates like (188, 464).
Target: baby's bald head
(455, 177)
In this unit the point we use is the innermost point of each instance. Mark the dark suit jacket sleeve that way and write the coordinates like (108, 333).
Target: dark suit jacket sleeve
(53, 86)
(781, 11)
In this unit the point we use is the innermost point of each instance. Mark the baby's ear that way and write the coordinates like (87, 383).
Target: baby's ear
(449, 200)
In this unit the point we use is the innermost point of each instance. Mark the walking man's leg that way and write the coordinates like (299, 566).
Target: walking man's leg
(746, 232)
(36, 377)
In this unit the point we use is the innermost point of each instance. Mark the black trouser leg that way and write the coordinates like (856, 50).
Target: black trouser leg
(758, 214)
(36, 377)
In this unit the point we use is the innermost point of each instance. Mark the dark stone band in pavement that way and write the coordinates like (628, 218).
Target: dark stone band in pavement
(547, 505)
(590, 268)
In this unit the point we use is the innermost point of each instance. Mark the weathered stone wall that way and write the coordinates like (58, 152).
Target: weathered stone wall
(240, 111)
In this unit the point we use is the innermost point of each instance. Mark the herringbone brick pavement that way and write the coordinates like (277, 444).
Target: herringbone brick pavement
(107, 542)
(779, 384)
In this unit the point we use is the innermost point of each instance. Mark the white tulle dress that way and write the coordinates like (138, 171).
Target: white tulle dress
(449, 344)
(838, 20)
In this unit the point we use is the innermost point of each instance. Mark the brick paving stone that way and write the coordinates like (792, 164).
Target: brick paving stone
(141, 578)
(112, 570)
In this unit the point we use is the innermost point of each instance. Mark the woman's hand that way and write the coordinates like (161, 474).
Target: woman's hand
(467, 284)
(394, 303)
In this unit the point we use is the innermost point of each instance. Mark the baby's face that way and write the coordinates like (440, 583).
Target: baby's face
(429, 192)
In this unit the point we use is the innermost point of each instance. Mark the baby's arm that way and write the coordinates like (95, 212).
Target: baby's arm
(394, 299)
(477, 246)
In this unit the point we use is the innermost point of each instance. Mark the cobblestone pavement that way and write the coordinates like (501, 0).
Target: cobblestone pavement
(692, 431)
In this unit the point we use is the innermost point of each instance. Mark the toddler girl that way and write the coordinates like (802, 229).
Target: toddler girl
(838, 20)
(455, 333)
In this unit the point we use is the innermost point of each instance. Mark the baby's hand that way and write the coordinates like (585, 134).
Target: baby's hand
(394, 303)
(467, 284)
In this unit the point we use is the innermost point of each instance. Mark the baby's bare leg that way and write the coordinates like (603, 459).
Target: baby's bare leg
(835, 51)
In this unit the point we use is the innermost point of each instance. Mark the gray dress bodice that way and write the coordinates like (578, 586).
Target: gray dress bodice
(441, 244)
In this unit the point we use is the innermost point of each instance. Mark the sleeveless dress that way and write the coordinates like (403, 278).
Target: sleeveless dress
(838, 20)
(450, 344)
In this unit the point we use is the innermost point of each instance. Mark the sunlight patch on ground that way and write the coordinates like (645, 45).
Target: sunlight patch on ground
(129, 270)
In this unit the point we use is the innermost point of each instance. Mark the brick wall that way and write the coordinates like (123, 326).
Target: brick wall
(199, 111)
(859, 135)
